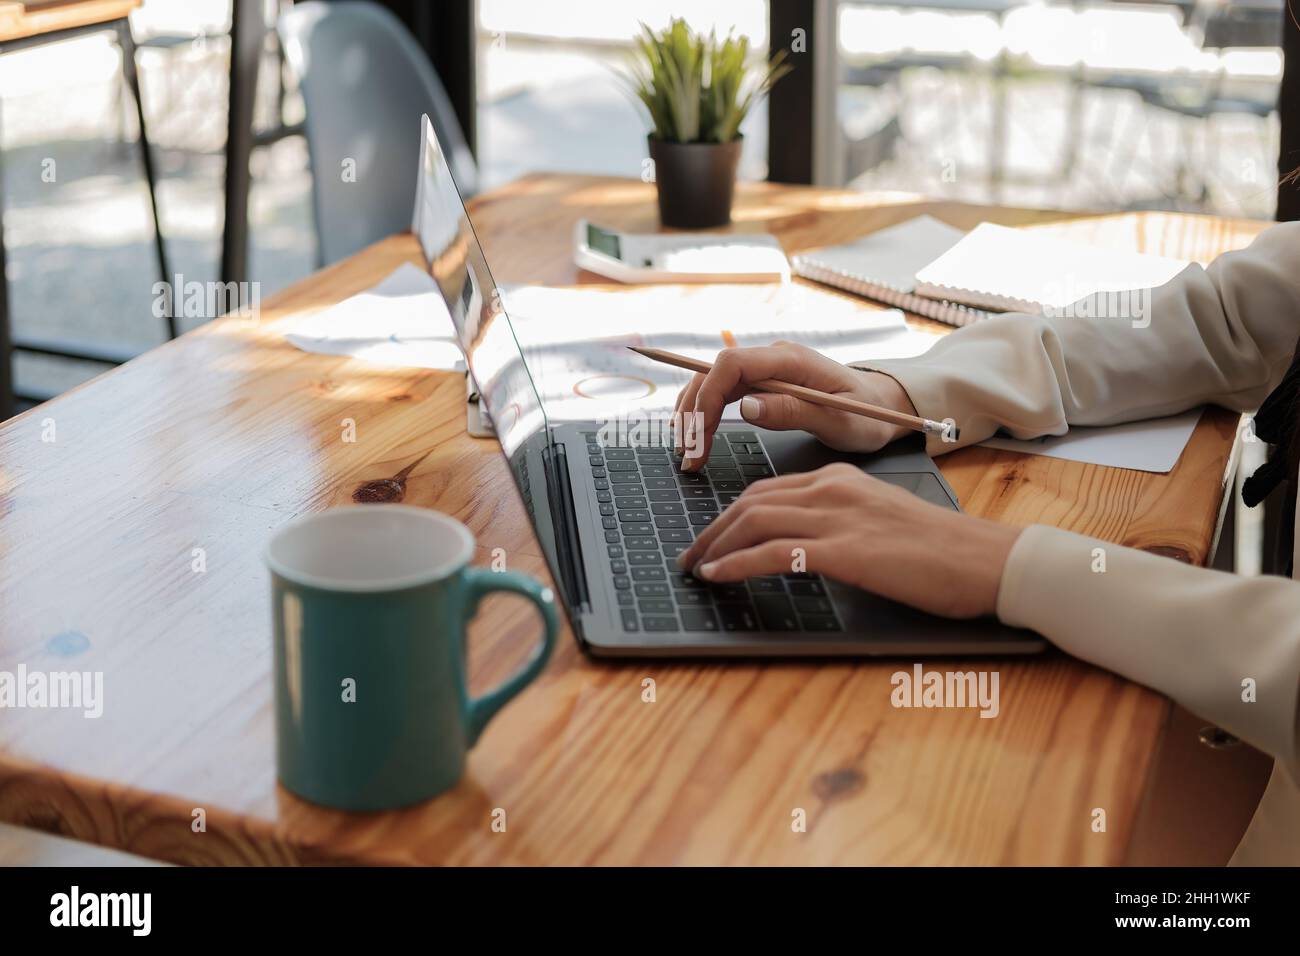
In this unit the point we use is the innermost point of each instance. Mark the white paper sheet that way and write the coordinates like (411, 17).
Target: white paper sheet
(575, 340)
(1151, 445)
(401, 321)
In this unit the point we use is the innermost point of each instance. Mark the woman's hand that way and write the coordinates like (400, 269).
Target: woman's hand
(733, 374)
(842, 523)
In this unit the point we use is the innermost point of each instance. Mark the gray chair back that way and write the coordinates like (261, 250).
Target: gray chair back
(365, 82)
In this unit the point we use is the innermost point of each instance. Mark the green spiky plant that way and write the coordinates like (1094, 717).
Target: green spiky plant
(697, 88)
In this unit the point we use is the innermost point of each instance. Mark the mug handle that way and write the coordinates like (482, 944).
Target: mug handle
(480, 583)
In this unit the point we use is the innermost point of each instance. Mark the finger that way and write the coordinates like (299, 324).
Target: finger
(730, 378)
(765, 522)
(685, 400)
(794, 497)
(797, 479)
(773, 557)
(787, 413)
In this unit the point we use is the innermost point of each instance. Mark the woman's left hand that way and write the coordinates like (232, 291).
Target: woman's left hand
(845, 524)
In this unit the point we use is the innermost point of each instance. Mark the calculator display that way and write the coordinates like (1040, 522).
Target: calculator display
(603, 241)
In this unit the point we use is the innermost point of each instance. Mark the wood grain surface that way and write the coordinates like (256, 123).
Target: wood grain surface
(216, 439)
(20, 21)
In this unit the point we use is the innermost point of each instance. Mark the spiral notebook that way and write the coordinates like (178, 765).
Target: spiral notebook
(884, 265)
(932, 269)
(1000, 269)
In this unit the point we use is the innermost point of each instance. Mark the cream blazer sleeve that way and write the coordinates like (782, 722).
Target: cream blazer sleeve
(1222, 335)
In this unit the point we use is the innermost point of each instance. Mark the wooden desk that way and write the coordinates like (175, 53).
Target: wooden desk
(21, 21)
(214, 440)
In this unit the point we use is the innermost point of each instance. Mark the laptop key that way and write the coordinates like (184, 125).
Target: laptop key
(647, 557)
(735, 485)
(634, 514)
(818, 622)
(685, 581)
(634, 528)
(660, 484)
(622, 582)
(746, 437)
(626, 479)
(702, 505)
(625, 599)
(699, 619)
(660, 624)
(665, 495)
(620, 454)
(629, 619)
(673, 521)
(609, 524)
(604, 497)
(666, 508)
(606, 510)
(655, 606)
(618, 567)
(730, 592)
(651, 590)
(756, 471)
(806, 588)
(648, 574)
(813, 605)
(612, 537)
(738, 617)
(642, 543)
(672, 550)
(701, 518)
(687, 478)
(767, 585)
(599, 473)
(676, 535)
(602, 484)
(613, 551)
(696, 491)
(776, 612)
(630, 501)
(657, 471)
(595, 461)
(692, 597)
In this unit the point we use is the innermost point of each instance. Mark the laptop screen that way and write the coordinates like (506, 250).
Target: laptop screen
(456, 262)
(496, 362)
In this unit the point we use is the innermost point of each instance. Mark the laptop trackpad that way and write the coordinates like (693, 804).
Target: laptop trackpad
(903, 463)
(922, 484)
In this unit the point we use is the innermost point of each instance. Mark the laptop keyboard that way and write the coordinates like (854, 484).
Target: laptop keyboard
(651, 511)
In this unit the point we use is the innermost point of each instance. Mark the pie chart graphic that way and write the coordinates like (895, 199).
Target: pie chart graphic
(614, 387)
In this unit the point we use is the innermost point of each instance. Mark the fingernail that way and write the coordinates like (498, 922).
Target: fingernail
(705, 571)
(751, 408)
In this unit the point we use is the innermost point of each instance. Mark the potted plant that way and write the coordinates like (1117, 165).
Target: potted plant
(697, 89)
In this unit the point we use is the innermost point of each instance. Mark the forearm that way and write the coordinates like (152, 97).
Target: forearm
(1225, 647)
(1222, 335)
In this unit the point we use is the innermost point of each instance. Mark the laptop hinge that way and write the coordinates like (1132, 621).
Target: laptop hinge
(568, 546)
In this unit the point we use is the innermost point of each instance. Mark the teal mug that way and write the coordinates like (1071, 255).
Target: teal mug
(370, 606)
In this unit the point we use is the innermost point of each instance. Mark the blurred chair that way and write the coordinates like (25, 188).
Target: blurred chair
(365, 81)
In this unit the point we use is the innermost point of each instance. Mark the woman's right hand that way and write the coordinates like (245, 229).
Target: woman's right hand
(734, 371)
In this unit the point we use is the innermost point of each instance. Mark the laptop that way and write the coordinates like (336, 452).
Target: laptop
(613, 510)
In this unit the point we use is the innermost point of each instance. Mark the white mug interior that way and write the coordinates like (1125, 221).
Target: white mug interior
(370, 548)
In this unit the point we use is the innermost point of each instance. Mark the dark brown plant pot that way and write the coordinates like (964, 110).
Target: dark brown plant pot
(696, 182)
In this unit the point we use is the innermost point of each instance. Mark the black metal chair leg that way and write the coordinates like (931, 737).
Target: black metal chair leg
(127, 43)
